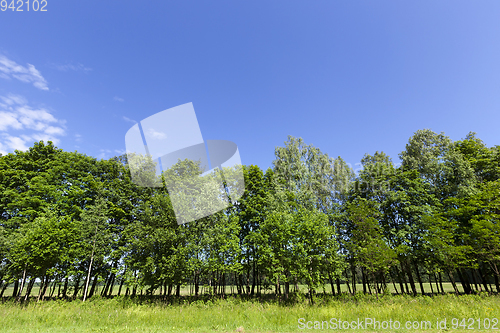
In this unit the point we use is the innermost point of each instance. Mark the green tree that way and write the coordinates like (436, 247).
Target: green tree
(366, 242)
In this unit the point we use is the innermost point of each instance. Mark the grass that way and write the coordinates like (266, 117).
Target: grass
(141, 314)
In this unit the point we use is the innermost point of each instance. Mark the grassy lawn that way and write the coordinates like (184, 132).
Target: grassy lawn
(234, 315)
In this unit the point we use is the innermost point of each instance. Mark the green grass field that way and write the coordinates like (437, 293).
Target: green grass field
(122, 314)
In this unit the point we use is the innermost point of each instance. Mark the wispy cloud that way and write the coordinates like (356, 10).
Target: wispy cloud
(10, 69)
(72, 67)
(129, 120)
(108, 153)
(104, 153)
(35, 123)
(156, 134)
(118, 99)
(13, 142)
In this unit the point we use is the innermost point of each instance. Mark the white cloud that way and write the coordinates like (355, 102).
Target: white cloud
(29, 74)
(45, 137)
(129, 120)
(14, 99)
(78, 138)
(35, 119)
(8, 119)
(52, 130)
(156, 134)
(2, 149)
(104, 153)
(108, 153)
(118, 99)
(36, 123)
(13, 142)
(72, 67)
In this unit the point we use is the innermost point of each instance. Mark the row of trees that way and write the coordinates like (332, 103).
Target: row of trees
(72, 223)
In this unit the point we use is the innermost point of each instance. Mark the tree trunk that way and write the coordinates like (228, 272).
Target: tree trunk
(441, 282)
(134, 290)
(6, 284)
(259, 283)
(77, 286)
(452, 280)
(363, 279)
(16, 287)
(28, 290)
(286, 288)
(22, 285)
(353, 279)
(483, 279)
(248, 281)
(196, 284)
(419, 279)
(347, 282)
(45, 287)
(65, 289)
(394, 283)
(224, 284)
(90, 265)
(331, 283)
(107, 282)
(384, 283)
(169, 292)
(122, 280)
(112, 284)
(42, 286)
(474, 281)
(400, 280)
(410, 279)
(465, 283)
(430, 283)
(403, 277)
(94, 284)
(436, 281)
(254, 276)
(237, 280)
(53, 288)
(277, 287)
(311, 295)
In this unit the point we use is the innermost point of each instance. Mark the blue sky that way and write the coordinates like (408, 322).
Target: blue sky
(350, 77)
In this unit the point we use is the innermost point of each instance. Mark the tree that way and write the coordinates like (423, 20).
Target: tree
(97, 238)
(366, 243)
(41, 246)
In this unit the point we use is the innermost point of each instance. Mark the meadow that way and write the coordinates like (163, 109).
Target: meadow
(234, 314)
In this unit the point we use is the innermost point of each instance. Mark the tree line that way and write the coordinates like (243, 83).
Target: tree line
(73, 223)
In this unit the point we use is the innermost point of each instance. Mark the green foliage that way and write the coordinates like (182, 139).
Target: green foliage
(308, 220)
